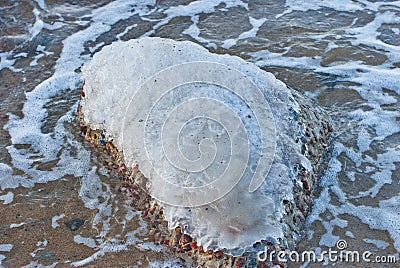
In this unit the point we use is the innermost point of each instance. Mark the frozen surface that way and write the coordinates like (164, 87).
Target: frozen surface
(116, 76)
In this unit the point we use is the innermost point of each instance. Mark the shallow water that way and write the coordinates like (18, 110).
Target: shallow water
(60, 206)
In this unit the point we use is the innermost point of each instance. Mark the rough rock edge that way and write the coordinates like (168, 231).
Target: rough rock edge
(315, 135)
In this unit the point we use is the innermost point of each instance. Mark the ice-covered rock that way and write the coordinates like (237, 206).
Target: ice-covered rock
(231, 153)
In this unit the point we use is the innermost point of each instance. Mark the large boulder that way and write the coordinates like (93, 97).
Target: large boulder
(221, 156)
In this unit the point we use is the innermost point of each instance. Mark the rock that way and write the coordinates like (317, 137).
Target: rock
(48, 257)
(74, 224)
(221, 154)
(3, 115)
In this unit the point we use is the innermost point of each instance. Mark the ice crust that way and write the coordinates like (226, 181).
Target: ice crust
(240, 218)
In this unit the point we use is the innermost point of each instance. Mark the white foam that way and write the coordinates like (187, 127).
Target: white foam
(110, 245)
(34, 62)
(7, 198)
(27, 130)
(6, 247)
(378, 243)
(42, 4)
(127, 29)
(39, 245)
(255, 23)
(328, 239)
(192, 10)
(98, 196)
(43, 49)
(60, 145)
(350, 234)
(372, 216)
(202, 6)
(194, 32)
(388, 210)
(87, 241)
(91, 193)
(383, 123)
(56, 25)
(5, 62)
(22, 54)
(368, 33)
(92, 49)
(54, 220)
(16, 225)
(349, 6)
(42, 243)
(37, 26)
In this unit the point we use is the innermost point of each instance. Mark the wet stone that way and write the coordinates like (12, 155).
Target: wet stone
(183, 238)
(74, 224)
(48, 257)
